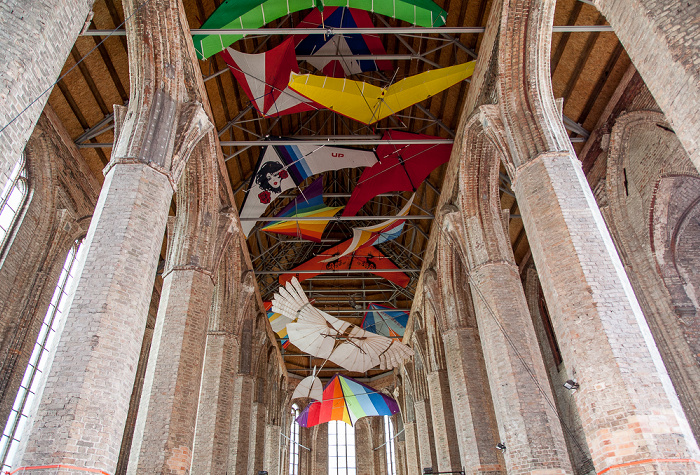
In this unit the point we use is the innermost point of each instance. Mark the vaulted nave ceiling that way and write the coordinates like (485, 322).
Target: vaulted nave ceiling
(586, 67)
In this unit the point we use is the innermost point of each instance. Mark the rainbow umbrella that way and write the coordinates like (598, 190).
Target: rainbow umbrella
(308, 203)
(347, 400)
(386, 321)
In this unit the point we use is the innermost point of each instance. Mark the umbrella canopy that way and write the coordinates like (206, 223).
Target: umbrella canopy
(401, 168)
(346, 45)
(264, 78)
(324, 336)
(385, 320)
(368, 258)
(253, 14)
(281, 168)
(367, 103)
(377, 234)
(308, 203)
(310, 387)
(347, 400)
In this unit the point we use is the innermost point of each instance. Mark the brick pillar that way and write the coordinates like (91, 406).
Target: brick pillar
(256, 437)
(36, 40)
(320, 450)
(80, 420)
(364, 456)
(628, 407)
(242, 427)
(662, 42)
(471, 401)
(272, 448)
(424, 435)
(167, 414)
(412, 455)
(528, 425)
(444, 430)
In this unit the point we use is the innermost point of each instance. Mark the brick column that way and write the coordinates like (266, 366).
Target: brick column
(272, 449)
(424, 435)
(364, 455)
(471, 402)
(444, 431)
(662, 40)
(167, 414)
(528, 425)
(242, 427)
(35, 42)
(412, 455)
(80, 420)
(629, 411)
(256, 437)
(628, 407)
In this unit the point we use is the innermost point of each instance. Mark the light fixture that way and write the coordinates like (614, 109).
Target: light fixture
(501, 446)
(428, 470)
(571, 384)
(262, 472)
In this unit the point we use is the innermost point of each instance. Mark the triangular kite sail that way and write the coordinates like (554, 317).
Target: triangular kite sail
(281, 168)
(309, 203)
(367, 103)
(369, 259)
(347, 400)
(264, 78)
(278, 322)
(401, 168)
(345, 45)
(377, 234)
(253, 14)
(386, 321)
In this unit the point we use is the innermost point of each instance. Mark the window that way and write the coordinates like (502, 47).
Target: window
(389, 441)
(37, 361)
(341, 448)
(294, 442)
(12, 199)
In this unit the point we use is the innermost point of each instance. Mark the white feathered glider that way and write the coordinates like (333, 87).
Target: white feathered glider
(325, 336)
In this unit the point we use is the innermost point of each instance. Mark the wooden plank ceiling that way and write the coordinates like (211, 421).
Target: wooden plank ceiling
(586, 69)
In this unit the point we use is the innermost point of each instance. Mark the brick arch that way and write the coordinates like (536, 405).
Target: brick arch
(645, 160)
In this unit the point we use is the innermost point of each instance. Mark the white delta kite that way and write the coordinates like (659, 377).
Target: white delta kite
(327, 337)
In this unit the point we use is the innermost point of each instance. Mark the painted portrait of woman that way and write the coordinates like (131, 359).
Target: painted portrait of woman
(269, 178)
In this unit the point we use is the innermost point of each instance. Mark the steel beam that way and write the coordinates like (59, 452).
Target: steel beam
(361, 31)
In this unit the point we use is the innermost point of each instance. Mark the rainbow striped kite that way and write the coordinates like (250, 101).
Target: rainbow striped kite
(347, 400)
(377, 234)
(309, 203)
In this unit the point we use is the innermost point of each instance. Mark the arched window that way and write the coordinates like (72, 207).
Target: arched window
(13, 196)
(294, 442)
(389, 445)
(37, 362)
(341, 449)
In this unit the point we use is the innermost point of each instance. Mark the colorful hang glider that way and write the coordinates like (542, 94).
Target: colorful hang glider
(253, 14)
(401, 168)
(347, 400)
(345, 45)
(309, 203)
(324, 336)
(278, 322)
(386, 321)
(283, 167)
(377, 234)
(368, 259)
(264, 78)
(367, 103)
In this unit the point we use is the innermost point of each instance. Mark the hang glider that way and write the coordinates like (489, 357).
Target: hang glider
(278, 322)
(367, 103)
(324, 336)
(384, 320)
(400, 168)
(377, 234)
(264, 78)
(253, 14)
(309, 203)
(369, 259)
(309, 387)
(345, 45)
(281, 168)
(347, 400)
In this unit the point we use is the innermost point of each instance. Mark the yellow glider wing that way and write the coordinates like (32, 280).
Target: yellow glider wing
(367, 103)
